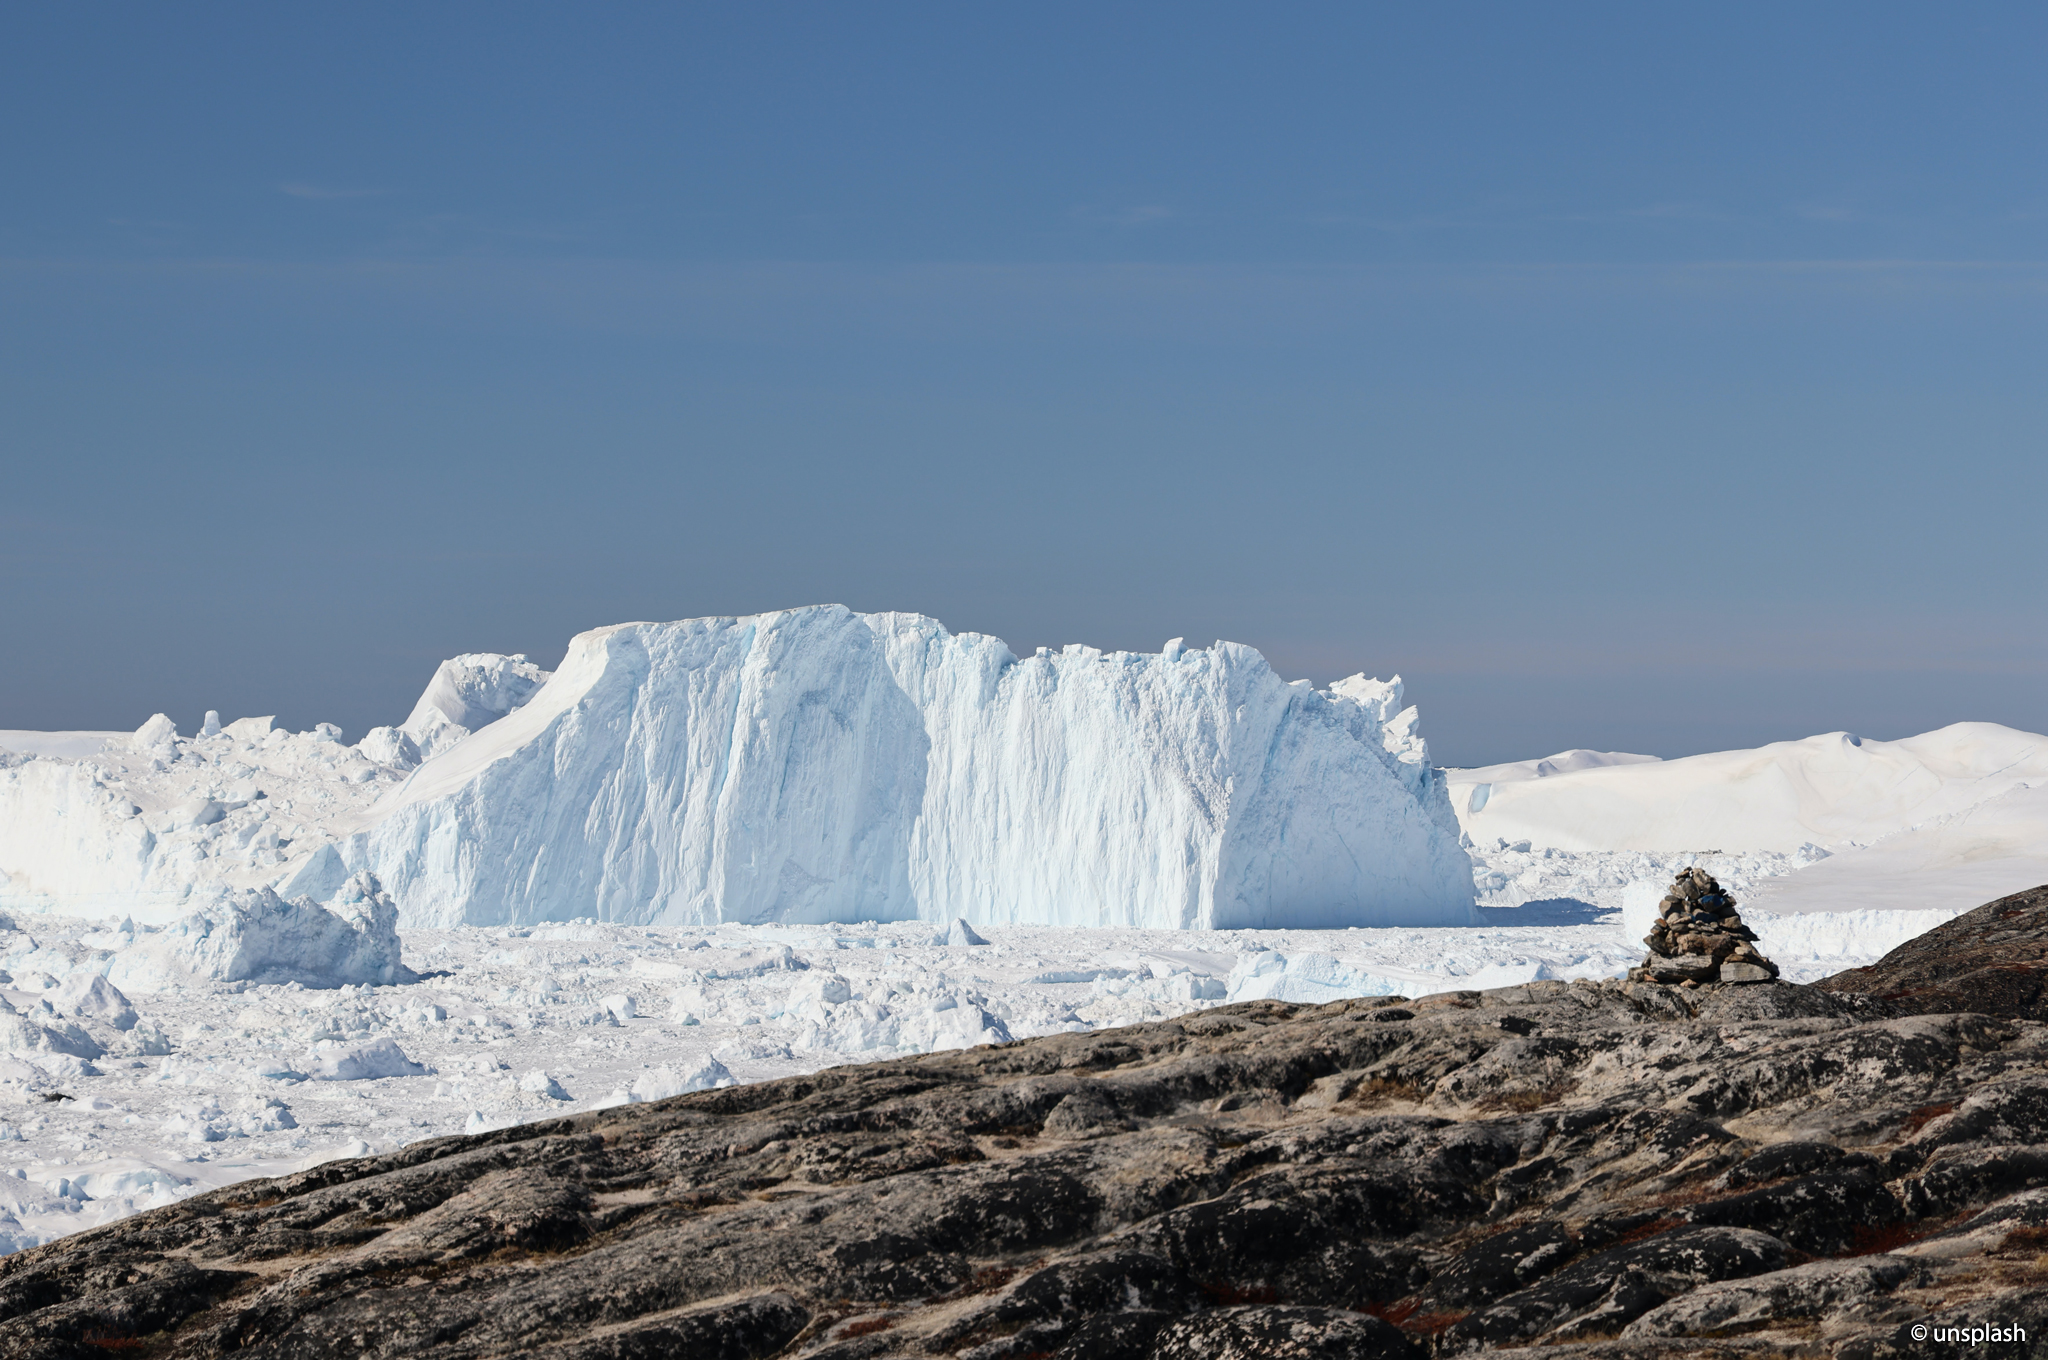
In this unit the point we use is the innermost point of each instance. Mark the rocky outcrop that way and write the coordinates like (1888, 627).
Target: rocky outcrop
(1699, 937)
(1582, 1170)
(1993, 960)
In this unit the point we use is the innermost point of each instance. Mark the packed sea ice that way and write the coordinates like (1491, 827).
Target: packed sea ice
(246, 950)
(214, 1081)
(207, 1080)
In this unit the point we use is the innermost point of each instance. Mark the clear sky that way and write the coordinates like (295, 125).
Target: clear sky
(1656, 378)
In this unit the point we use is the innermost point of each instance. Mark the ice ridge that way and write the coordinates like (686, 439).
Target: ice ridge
(817, 765)
(155, 825)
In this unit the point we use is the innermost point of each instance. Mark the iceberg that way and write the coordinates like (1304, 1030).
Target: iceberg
(155, 826)
(256, 936)
(819, 765)
(335, 1060)
(467, 692)
(807, 766)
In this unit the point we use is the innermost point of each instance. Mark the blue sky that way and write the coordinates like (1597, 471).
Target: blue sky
(1623, 377)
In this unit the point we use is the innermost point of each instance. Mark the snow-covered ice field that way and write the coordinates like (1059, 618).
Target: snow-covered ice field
(172, 1023)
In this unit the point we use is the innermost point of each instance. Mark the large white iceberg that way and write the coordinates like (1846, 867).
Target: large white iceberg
(821, 765)
(1881, 833)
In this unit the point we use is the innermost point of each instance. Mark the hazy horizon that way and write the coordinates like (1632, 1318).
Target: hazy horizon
(1638, 380)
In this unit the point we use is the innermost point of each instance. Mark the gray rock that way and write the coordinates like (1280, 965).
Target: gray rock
(1809, 1291)
(1680, 968)
(1083, 1114)
(1993, 960)
(1283, 1334)
(1613, 1170)
(1700, 938)
(1604, 1293)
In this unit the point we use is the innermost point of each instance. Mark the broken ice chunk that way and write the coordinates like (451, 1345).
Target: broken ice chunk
(539, 1083)
(335, 1060)
(158, 731)
(91, 997)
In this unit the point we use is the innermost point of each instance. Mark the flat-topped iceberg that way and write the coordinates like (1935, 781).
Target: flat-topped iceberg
(820, 765)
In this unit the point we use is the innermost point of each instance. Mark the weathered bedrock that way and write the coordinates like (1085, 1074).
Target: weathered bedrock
(1993, 960)
(1555, 1169)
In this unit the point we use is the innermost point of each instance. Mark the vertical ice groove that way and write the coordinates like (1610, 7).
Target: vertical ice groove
(820, 765)
(877, 766)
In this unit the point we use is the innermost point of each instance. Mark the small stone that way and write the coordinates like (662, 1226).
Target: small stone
(1736, 971)
(1685, 967)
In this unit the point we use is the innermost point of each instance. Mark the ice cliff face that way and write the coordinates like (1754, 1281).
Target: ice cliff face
(808, 766)
(819, 765)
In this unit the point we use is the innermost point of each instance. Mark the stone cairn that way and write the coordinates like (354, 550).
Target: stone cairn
(1700, 938)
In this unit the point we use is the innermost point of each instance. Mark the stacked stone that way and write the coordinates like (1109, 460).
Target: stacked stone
(1700, 938)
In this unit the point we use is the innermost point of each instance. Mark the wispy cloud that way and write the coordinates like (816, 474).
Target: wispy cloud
(302, 189)
(1511, 213)
(1136, 215)
(1425, 222)
(1826, 212)
(1679, 212)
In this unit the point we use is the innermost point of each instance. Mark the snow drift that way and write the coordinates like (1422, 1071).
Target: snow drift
(1831, 790)
(819, 765)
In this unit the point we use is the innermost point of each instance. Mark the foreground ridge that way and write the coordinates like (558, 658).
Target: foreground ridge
(1615, 1170)
(1993, 959)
